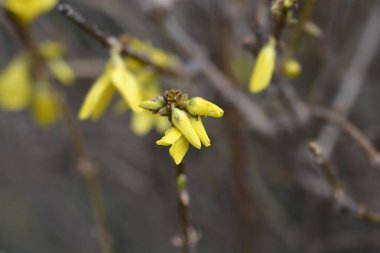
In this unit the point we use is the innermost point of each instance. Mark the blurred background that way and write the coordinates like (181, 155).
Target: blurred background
(251, 191)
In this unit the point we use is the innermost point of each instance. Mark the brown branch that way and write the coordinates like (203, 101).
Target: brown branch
(343, 201)
(352, 131)
(353, 79)
(86, 166)
(109, 41)
(253, 115)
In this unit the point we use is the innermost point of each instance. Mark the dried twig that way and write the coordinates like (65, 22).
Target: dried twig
(342, 200)
(85, 164)
(252, 113)
(352, 131)
(109, 41)
(353, 79)
(256, 118)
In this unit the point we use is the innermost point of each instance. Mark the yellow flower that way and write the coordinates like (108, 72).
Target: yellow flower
(52, 52)
(196, 122)
(181, 121)
(45, 108)
(179, 143)
(115, 77)
(15, 85)
(158, 56)
(202, 107)
(179, 149)
(291, 68)
(28, 10)
(264, 67)
(171, 136)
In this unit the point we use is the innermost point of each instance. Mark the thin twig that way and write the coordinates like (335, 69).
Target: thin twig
(109, 41)
(85, 164)
(256, 118)
(253, 115)
(343, 201)
(353, 79)
(352, 131)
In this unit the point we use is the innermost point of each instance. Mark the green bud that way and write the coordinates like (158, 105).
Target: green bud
(152, 105)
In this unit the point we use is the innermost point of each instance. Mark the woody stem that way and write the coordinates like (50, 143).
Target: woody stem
(85, 164)
(183, 204)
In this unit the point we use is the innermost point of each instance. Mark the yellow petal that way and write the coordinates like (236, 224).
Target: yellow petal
(182, 123)
(264, 67)
(201, 131)
(28, 10)
(125, 83)
(202, 107)
(15, 85)
(103, 102)
(51, 49)
(171, 136)
(179, 149)
(61, 71)
(94, 95)
(45, 108)
(142, 123)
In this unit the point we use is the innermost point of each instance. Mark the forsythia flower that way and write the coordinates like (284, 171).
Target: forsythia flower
(28, 10)
(142, 121)
(115, 77)
(18, 90)
(264, 67)
(186, 118)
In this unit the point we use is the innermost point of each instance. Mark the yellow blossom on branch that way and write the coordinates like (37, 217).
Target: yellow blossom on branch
(21, 89)
(116, 76)
(264, 67)
(28, 10)
(187, 126)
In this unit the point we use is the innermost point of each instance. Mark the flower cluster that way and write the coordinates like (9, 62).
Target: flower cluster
(134, 80)
(186, 118)
(21, 89)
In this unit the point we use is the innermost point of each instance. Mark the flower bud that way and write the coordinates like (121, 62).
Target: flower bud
(152, 105)
(182, 123)
(202, 107)
(291, 68)
(201, 131)
(264, 67)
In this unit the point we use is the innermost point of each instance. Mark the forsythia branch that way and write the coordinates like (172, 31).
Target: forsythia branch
(343, 201)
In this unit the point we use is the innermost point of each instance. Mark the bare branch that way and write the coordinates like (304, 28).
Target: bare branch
(340, 197)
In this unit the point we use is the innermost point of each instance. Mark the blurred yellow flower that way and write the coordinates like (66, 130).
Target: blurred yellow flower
(19, 90)
(158, 56)
(116, 76)
(264, 67)
(52, 52)
(45, 108)
(28, 10)
(15, 85)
